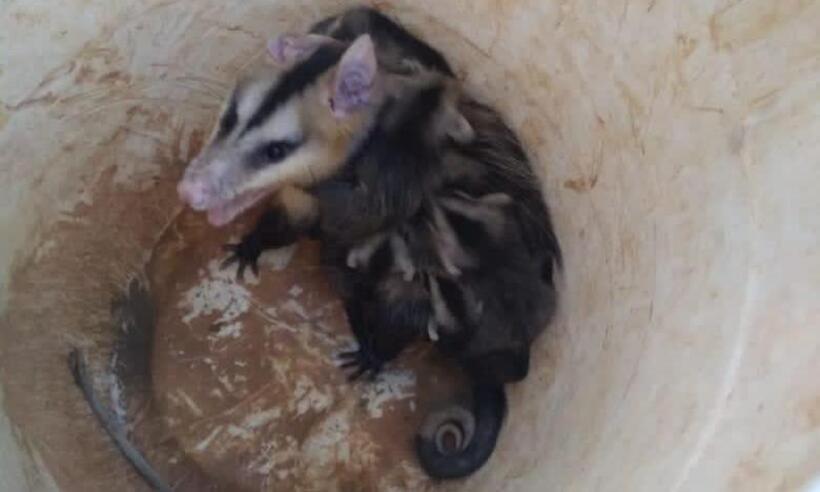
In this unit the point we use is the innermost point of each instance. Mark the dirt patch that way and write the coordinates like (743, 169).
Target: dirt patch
(245, 374)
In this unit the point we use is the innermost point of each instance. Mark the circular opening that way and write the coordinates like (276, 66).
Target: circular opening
(678, 151)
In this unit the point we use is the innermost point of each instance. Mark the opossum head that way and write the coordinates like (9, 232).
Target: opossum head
(293, 127)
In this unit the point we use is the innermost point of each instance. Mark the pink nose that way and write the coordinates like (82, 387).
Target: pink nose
(194, 192)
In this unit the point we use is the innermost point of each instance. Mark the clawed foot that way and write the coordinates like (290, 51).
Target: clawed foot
(361, 362)
(246, 254)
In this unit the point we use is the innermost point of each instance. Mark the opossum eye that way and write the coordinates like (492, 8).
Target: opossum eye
(276, 151)
(272, 152)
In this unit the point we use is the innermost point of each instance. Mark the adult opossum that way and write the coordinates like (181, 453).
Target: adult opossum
(343, 137)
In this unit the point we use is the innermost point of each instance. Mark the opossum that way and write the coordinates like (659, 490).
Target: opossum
(515, 277)
(279, 132)
(283, 134)
(487, 318)
(354, 200)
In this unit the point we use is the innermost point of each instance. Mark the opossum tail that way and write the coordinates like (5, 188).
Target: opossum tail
(455, 442)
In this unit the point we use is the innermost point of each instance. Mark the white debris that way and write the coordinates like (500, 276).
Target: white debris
(278, 259)
(190, 403)
(294, 306)
(226, 382)
(275, 454)
(307, 397)
(231, 330)
(239, 432)
(203, 445)
(329, 442)
(261, 418)
(390, 387)
(217, 292)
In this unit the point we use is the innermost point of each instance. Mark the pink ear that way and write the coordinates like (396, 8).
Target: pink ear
(355, 77)
(288, 48)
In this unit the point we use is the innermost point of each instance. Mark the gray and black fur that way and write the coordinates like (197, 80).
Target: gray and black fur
(486, 305)
(395, 43)
(489, 308)
(423, 150)
(488, 317)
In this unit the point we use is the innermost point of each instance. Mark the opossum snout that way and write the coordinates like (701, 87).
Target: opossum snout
(195, 192)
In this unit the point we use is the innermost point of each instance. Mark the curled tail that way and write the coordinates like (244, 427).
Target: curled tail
(455, 442)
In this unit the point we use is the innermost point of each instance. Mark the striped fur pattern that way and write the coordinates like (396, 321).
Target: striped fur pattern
(432, 221)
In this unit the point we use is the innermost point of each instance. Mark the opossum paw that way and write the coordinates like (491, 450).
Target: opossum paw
(245, 254)
(361, 362)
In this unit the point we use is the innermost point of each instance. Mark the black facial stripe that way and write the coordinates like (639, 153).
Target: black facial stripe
(294, 81)
(229, 118)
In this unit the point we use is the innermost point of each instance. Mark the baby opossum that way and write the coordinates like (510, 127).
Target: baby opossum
(487, 318)
(486, 305)
(383, 186)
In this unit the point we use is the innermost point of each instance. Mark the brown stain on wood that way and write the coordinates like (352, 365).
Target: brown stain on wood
(686, 46)
(581, 185)
(280, 348)
(745, 22)
(810, 413)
